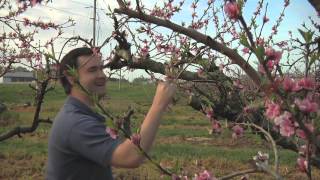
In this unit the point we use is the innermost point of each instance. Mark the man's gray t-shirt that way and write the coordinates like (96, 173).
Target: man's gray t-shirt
(79, 147)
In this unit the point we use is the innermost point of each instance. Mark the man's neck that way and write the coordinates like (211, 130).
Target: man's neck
(82, 97)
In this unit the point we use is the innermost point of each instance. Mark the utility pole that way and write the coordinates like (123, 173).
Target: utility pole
(120, 80)
(37, 83)
(94, 22)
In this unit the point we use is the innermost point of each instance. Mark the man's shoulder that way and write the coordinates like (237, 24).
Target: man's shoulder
(72, 115)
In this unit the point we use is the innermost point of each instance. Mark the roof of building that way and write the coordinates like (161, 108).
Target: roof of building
(19, 74)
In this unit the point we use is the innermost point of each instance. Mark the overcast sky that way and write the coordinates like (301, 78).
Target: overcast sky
(82, 12)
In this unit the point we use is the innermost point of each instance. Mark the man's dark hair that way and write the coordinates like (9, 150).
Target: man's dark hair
(70, 60)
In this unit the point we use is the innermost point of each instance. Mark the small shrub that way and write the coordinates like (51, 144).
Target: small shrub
(7, 118)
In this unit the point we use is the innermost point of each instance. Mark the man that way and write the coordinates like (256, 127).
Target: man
(79, 147)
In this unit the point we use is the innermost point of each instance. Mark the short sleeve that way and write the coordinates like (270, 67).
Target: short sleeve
(89, 138)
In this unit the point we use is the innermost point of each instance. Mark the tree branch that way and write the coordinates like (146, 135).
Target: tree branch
(315, 4)
(22, 130)
(207, 40)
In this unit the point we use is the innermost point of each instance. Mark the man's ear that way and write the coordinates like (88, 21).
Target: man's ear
(69, 77)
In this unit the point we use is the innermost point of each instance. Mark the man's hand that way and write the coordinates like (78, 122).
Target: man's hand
(164, 94)
(126, 154)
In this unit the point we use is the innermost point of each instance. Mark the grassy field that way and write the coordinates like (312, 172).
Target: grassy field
(183, 143)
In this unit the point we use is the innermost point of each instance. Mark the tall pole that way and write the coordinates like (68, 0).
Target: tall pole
(120, 80)
(94, 22)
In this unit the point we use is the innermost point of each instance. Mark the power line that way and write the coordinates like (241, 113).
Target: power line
(77, 2)
(67, 12)
(94, 22)
(87, 5)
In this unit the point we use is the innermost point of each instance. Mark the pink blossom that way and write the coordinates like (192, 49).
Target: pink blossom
(238, 84)
(136, 138)
(306, 105)
(302, 164)
(206, 21)
(144, 51)
(265, 19)
(269, 51)
(273, 55)
(260, 41)
(34, 2)
(261, 69)
(261, 157)
(159, 47)
(245, 50)
(307, 83)
(287, 83)
(200, 72)
(221, 67)
(194, 14)
(303, 150)
(216, 126)
(169, 5)
(290, 85)
(96, 51)
(159, 37)
(176, 177)
(287, 128)
(270, 64)
(26, 22)
(283, 117)
(237, 131)
(205, 175)
(209, 113)
(232, 10)
(301, 134)
(282, 44)
(274, 29)
(286, 3)
(273, 110)
(193, 5)
(183, 39)
(112, 132)
(248, 109)
(158, 12)
(245, 177)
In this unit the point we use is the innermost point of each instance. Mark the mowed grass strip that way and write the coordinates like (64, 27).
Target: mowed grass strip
(183, 137)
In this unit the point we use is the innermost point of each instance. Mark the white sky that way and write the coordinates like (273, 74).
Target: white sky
(82, 12)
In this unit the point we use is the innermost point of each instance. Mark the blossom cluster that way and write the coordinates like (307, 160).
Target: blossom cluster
(204, 175)
(168, 11)
(42, 25)
(284, 119)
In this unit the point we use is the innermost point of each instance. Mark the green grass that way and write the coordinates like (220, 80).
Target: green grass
(15, 93)
(189, 152)
(22, 93)
(175, 131)
(135, 92)
(176, 139)
(23, 146)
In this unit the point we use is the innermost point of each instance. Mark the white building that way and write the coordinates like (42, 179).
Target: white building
(12, 77)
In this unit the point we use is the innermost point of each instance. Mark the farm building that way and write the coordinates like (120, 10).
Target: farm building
(18, 77)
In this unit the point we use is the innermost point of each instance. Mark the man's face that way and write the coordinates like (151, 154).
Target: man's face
(91, 75)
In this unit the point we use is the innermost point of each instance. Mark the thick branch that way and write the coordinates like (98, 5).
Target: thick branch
(158, 67)
(199, 37)
(315, 4)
